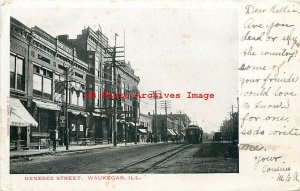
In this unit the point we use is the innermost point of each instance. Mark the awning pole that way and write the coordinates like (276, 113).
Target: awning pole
(39, 130)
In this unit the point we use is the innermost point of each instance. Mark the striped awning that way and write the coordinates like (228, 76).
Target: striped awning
(170, 132)
(19, 116)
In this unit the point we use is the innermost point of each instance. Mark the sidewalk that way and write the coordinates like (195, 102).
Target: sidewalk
(62, 149)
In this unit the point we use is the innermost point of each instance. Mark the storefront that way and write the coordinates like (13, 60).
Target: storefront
(99, 130)
(20, 123)
(47, 115)
(78, 126)
(171, 135)
(121, 130)
(142, 135)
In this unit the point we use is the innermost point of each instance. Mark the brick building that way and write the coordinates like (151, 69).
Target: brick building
(39, 65)
(94, 49)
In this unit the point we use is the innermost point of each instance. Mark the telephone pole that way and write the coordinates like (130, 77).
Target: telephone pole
(114, 136)
(155, 113)
(165, 104)
(115, 63)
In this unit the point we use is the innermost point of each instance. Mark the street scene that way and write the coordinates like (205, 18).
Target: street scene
(143, 158)
(99, 97)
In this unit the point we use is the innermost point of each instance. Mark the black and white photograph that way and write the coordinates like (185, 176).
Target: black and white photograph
(123, 91)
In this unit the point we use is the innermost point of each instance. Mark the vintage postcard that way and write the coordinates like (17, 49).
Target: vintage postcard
(150, 95)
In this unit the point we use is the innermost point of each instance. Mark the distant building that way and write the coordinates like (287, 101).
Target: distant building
(167, 128)
(183, 120)
(146, 127)
(229, 128)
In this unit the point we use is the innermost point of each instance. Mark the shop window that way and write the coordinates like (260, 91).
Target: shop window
(17, 72)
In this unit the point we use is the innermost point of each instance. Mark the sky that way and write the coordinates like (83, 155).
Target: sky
(172, 50)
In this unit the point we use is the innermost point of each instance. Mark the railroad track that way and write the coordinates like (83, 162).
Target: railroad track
(149, 163)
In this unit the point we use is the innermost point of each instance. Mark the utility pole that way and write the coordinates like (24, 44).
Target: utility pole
(112, 54)
(180, 129)
(165, 105)
(238, 129)
(155, 114)
(114, 137)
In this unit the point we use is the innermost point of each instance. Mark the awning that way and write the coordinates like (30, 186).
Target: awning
(120, 120)
(19, 116)
(100, 115)
(142, 130)
(46, 105)
(74, 112)
(175, 132)
(131, 123)
(170, 132)
(84, 114)
(96, 114)
(104, 116)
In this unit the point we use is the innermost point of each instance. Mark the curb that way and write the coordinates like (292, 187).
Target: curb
(66, 151)
(56, 152)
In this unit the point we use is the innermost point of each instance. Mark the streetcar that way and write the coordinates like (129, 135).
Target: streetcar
(193, 134)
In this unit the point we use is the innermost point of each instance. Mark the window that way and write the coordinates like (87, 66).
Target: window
(42, 82)
(61, 67)
(97, 100)
(97, 72)
(73, 127)
(17, 74)
(37, 84)
(74, 98)
(44, 59)
(81, 127)
(78, 75)
(80, 99)
(59, 88)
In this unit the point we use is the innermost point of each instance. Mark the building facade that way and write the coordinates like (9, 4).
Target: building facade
(183, 122)
(91, 47)
(46, 75)
(146, 127)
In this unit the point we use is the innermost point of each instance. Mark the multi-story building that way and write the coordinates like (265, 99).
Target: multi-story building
(50, 78)
(166, 127)
(42, 67)
(146, 127)
(172, 126)
(127, 84)
(20, 119)
(183, 120)
(94, 49)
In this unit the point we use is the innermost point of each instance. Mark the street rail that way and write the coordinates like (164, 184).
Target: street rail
(154, 161)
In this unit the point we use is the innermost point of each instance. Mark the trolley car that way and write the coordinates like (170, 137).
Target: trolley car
(193, 134)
